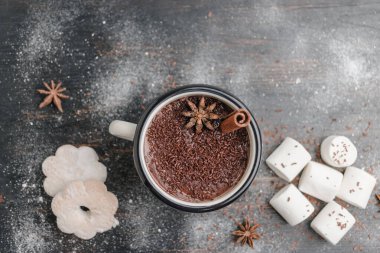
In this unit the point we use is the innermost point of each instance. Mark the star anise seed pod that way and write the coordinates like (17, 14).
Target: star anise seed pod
(247, 233)
(200, 116)
(53, 94)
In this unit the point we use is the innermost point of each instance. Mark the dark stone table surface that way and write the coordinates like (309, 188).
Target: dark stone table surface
(307, 69)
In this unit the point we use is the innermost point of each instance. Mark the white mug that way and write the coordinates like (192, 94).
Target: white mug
(136, 133)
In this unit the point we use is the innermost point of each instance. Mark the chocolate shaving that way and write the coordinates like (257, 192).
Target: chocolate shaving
(342, 225)
(189, 166)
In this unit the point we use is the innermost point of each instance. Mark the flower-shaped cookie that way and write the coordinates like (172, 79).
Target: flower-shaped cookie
(71, 164)
(85, 208)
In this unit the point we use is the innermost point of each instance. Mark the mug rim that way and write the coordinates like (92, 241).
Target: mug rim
(198, 88)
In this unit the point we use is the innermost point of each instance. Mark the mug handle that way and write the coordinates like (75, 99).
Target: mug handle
(122, 129)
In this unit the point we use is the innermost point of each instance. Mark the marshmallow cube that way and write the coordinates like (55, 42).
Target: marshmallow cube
(333, 222)
(288, 160)
(356, 187)
(292, 205)
(320, 181)
(338, 151)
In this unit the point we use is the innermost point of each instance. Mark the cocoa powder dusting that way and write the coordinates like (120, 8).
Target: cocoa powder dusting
(194, 167)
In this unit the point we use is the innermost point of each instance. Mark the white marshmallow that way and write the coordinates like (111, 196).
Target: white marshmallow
(288, 160)
(356, 187)
(292, 205)
(338, 151)
(333, 222)
(320, 181)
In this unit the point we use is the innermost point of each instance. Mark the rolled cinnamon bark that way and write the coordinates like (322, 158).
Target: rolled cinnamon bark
(236, 120)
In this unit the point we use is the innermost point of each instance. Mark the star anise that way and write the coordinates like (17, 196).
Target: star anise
(247, 233)
(378, 198)
(200, 116)
(54, 94)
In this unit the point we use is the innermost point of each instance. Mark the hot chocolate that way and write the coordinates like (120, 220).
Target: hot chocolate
(192, 166)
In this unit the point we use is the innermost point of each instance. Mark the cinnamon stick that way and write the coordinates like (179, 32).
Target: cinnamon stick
(236, 120)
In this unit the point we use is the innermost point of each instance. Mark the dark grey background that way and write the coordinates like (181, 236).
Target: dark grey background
(307, 69)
